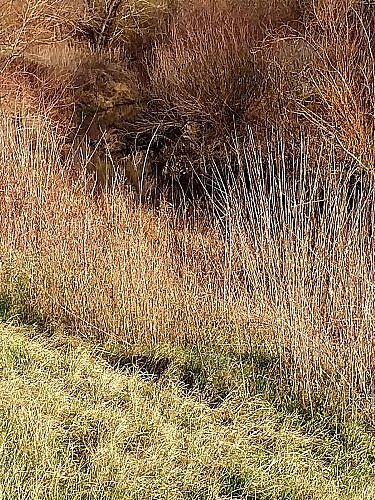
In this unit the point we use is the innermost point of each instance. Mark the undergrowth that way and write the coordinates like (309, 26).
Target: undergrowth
(189, 187)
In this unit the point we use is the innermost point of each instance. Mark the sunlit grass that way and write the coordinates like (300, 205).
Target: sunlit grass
(72, 426)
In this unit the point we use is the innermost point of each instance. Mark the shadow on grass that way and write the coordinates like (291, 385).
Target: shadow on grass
(217, 372)
(5, 307)
(210, 370)
(16, 304)
(22, 314)
(147, 365)
(214, 372)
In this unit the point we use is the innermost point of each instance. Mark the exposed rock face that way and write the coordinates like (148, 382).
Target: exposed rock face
(107, 95)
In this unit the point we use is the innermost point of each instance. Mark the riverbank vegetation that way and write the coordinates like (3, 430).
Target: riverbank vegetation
(187, 218)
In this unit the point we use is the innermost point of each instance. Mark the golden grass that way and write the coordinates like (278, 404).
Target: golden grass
(276, 273)
(270, 290)
(112, 268)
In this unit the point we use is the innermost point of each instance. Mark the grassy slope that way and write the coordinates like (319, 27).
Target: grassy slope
(73, 426)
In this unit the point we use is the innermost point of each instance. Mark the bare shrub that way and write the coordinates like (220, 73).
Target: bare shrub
(205, 80)
(341, 77)
(24, 24)
(205, 68)
(131, 26)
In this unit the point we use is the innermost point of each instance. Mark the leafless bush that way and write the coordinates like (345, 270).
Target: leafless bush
(341, 78)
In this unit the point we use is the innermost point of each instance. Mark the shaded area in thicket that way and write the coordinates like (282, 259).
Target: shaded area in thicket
(164, 92)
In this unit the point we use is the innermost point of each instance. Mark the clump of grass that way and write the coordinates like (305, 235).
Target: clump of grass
(304, 241)
(145, 292)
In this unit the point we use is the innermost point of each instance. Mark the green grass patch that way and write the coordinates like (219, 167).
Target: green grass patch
(75, 425)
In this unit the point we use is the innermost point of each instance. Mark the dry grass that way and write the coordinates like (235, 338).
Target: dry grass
(342, 80)
(112, 269)
(305, 240)
(26, 24)
(284, 259)
(267, 293)
(291, 266)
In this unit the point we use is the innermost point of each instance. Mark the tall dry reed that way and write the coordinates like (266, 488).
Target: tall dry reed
(290, 265)
(304, 235)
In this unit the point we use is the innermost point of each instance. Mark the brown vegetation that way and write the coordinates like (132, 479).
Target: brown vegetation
(269, 118)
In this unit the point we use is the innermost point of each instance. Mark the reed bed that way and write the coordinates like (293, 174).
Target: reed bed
(285, 261)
